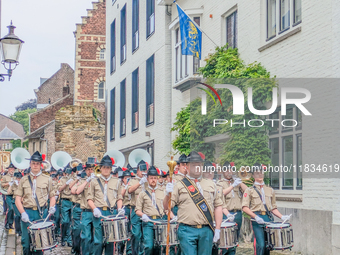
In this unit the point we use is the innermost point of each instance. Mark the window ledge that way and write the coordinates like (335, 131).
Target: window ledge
(187, 83)
(280, 39)
(288, 196)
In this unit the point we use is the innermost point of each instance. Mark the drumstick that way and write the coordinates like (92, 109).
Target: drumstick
(264, 222)
(283, 222)
(229, 218)
(46, 219)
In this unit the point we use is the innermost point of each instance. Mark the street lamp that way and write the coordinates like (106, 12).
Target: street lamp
(10, 47)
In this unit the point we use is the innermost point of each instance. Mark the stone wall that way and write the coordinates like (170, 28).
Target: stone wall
(78, 133)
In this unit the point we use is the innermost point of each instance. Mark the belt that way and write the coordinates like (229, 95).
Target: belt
(128, 206)
(9, 195)
(194, 226)
(234, 210)
(76, 204)
(68, 199)
(106, 208)
(260, 212)
(87, 210)
(154, 217)
(35, 208)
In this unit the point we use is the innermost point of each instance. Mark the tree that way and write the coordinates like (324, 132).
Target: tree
(29, 104)
(23, 118)
(246, 145)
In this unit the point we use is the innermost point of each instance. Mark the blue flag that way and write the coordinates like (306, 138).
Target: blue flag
(191, 35)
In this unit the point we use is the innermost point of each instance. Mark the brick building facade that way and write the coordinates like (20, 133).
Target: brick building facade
(89, 88)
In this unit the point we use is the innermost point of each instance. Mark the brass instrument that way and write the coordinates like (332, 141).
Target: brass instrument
(46, 168)
(97, 170)
(75, 162)
(245, 175)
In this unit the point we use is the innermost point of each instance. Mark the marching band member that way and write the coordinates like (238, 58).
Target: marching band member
(66, 206)
(198, 206)
(162, 180)
(182, 168)
(103, 197)
(76, 212)
(232, 193)
(259, 203)
(5, 183)
(207, 170)
(56, 216)
(126, 176)
(81, 188)
(13, 186)
(136, 186)
(31, 199)
(149, 207)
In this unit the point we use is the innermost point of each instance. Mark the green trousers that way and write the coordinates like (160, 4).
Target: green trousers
(66, 214)
(260, 238)
(121, 246)
(86, 235)
(17, 219)
(148, 239)
(99, 244)
(195, 241)
(10, 213)
(76, 228)
(25, 238)
(136, 230)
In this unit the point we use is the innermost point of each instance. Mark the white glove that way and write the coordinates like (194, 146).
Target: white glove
(259, 220)
(145, 218)
(97, 213)
(216, 235)
(93, 176)
(231, 217)
(285, 217)
(143, 180)
(11, 183)
(89, 179)
(169, 188)
(174, 219)
(16, 182)
(78, 177)
(24, 217)
(56, 197)
(52, 210)
(69, 181)
(121, 211)
(237, 182)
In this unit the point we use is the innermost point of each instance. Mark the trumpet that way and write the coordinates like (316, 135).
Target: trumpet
(245, 175)
(97, 170)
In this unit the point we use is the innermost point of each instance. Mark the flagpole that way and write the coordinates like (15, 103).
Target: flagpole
(196, 24)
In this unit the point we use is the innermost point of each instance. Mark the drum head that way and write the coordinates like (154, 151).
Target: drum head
(41, 224)
(278, 225)
(113, 217)
(228, 224)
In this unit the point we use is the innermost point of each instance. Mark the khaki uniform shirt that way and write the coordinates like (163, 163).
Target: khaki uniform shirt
(134, 195)
(178, 177)
(13, 189)
(95, 193)
(144, 203)
(233, 200)
(5, 180)
(187, 210)
(77, 198)
(43, 191)
(127, 197)
(83, 201)
(252, 200)
(66, 193)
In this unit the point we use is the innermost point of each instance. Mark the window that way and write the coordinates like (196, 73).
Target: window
(279, 15)
(150, 17)
(40, 146)
(112, 114)
(135, 100)
(101, 89)
(284, 14)
(34, 148)
(232, 30)
(285, 144)
(113, 47)
(182, 68)
(150, 80)
(297, 11)
(113, 2)
(123, 35)
(123, 108)
(135, 25)
(271, 18)
(102, 54)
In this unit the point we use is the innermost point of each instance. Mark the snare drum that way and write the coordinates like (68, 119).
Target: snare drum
(115, 229)
(160, 233)
(42, 235)
(228, 235)
(279, 236)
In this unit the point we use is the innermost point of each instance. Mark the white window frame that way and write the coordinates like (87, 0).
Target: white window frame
(102, 82)
(102, 54)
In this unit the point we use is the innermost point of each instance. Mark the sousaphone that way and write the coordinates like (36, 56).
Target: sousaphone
(137, 155)
(18, 158)
(60, 159)
(118, 157)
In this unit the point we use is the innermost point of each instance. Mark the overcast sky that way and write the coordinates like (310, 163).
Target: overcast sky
(47, 28)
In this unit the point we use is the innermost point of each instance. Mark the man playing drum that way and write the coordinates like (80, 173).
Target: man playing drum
(259, 203)
(198, 207)
(103, 198)
(31, 199)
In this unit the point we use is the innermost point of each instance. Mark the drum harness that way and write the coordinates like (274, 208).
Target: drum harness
(269, 214)
(107, 200)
